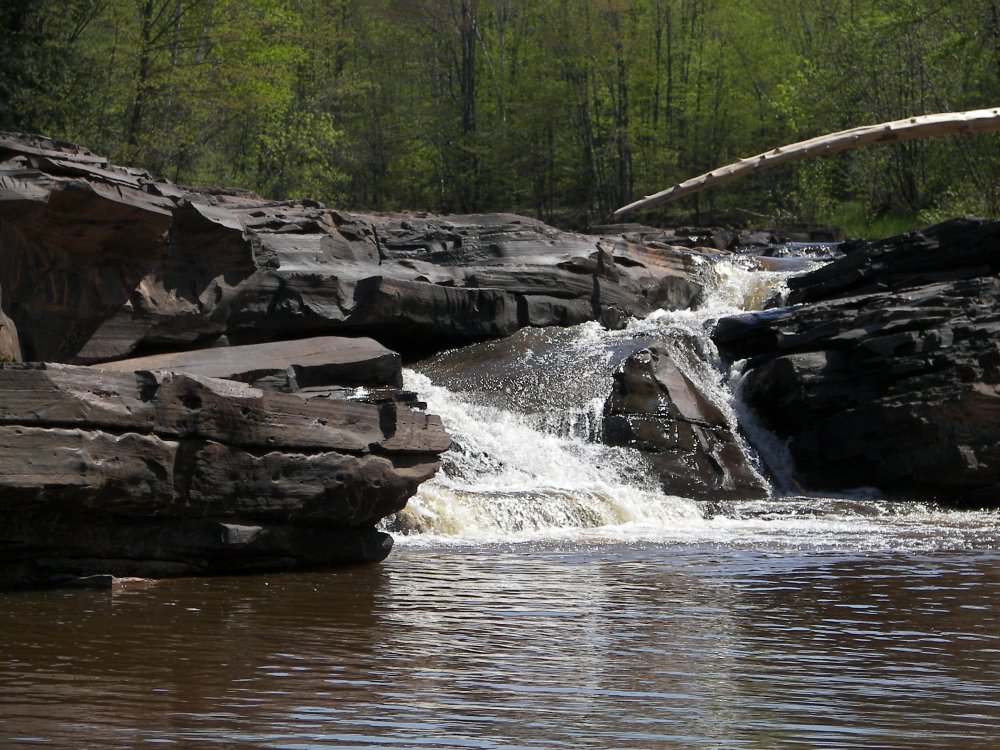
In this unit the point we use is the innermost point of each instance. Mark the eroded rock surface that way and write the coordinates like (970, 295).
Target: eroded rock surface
(149, 464)
(657, 408)
(326, 363)
(887, 374)
(157, 468)
(156, 473)
(132, 266)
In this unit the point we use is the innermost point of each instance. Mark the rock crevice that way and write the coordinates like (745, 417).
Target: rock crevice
(885, 372)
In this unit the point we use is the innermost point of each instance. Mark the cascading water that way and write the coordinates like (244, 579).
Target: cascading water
(527, 464)
(525, 414)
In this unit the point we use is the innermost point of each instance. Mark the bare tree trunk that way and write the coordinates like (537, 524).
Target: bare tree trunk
(142, 76)
(925, 126)
(467, 72)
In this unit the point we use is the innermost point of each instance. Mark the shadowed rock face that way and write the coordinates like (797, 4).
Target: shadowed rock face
(134, 266)
(962, 248)
(657, 409)
(888, 375)
(150, 473)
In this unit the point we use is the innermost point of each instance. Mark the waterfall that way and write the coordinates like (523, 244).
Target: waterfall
(525, 414)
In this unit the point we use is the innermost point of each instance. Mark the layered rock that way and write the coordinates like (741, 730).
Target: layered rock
(327, 365)
(133, 266)
(657, 408)
(149, 465)
(887, 374)
(147, 473)
(961, 248)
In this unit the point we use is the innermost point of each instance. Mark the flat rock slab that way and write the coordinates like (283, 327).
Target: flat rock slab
(283, 365)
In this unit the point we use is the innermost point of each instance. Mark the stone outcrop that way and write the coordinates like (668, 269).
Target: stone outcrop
(328, 365)
(149, 473)
(224, 422)
(958, 249)
(886, 373)
(133, 266)
(658, 409)
(714, 238)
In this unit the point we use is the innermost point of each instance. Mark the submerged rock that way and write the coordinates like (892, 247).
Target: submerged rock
(656, 408)
(887, 374)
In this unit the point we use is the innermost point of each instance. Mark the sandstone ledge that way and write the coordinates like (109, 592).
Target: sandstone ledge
(135, 266)
(150, 473)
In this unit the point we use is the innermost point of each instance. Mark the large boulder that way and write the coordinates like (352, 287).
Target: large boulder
(149, 472)
(658, 408)
(887, 374)
(132, 266)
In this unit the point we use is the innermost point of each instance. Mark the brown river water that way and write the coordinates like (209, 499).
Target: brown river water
(545, 593)
(577, 644)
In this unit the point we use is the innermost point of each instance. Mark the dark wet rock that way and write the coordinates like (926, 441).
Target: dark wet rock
(753, 240)
(658, 409)
(149, 473)
(134, 266)
(293, 366)
(888, 376)
(961, 248)
(702, 238)
(552, 374)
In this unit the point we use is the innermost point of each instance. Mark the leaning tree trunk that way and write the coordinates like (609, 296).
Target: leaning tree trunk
(924, 126)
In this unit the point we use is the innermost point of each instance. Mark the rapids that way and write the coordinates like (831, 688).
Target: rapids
(544, 593)
(527, 465)
(525, 414)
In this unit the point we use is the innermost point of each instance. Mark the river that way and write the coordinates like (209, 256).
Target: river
(545, 593)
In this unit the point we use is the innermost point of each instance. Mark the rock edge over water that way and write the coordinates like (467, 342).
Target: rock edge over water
(886, 373)
(151, 473)
(147, 463)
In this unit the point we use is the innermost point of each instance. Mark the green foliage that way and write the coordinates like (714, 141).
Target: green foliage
(857, 222)
(555, 107)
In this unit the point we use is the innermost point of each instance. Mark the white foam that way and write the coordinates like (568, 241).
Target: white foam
(516, 477)
(509, 479)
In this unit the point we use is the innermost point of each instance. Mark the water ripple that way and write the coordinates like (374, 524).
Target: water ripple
(557, 645)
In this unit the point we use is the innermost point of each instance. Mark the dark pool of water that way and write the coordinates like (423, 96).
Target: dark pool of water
(600, 645)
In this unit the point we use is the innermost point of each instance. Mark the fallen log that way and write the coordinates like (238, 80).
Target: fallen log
(923, 126)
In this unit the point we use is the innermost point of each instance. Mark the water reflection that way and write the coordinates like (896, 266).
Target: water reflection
(597, 645)
(882, 640)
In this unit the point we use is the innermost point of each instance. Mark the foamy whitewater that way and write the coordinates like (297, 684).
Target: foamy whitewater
(519, 473)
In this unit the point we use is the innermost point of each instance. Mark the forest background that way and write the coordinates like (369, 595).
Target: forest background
(551, 108)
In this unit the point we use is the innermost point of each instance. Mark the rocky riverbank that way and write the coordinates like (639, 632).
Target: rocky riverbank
(214, 380)
(882, 370)
(240, 409)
